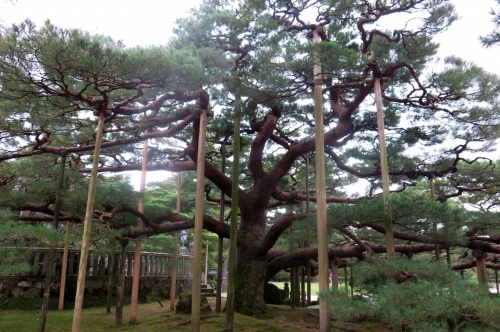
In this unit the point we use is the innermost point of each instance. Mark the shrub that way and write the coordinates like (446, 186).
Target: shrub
(272, 294)
(436, 301)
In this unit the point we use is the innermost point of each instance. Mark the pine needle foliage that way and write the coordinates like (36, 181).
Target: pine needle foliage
(419, 295)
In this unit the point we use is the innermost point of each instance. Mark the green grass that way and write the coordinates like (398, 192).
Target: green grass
(152, 318)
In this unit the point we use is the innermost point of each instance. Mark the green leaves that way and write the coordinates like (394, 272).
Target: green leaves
(433, 299)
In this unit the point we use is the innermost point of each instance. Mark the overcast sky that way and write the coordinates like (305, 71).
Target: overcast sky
(148, 22)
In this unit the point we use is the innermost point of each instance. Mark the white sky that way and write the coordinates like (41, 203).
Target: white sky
(148, 22)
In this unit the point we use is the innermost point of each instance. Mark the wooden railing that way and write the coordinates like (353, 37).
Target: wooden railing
(152, 263)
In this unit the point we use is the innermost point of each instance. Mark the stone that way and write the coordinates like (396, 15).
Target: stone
(185, 302)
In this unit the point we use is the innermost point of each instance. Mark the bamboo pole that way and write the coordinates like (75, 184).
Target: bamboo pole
(233, 232)
(384, 168)
(52, 250)
(175, 258)
(323, 268)
(137, 253)
(89, 212)
(198, 225)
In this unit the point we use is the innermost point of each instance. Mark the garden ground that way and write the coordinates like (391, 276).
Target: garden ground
(152, 317)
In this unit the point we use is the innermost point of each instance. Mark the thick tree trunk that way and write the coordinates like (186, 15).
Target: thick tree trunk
(250, 280)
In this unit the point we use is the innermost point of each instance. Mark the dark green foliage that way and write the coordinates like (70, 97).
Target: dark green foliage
(433, 299)
(272, 294)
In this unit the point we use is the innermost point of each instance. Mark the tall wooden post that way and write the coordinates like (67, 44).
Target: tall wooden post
(89, 212)
(324, 313)
(482, 276)
(137, 253)
(206, 263)
(64, 270)
(173, 284)
(496, 282)
(384, 169)
(437, 248)
(120, 285)
(308, 267)
(233, 232)
(303, 286)
(220, 259)
(52, 250)
(198, 225)
(335, 273)
(111, 272)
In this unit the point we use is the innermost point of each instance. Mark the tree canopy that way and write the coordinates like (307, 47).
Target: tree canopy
(441, 123)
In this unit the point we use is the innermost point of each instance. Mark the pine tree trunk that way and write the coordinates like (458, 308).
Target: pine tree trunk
(250, 282)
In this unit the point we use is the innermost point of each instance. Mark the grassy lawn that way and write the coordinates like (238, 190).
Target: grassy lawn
(314, 286)
(152, 317)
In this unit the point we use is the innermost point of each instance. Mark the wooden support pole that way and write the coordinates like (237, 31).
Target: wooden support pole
(482, 276)
(496, 282)
(89, 212)
(220, 249)
(64, 270)
(324, 313)
(384, 169)
(437, 249)
(335, 274)
(120, 285)
(302, 286)
(137, 253)
(175, 258)
(206, 263)
(233, 232)
(308, 282)
(198, 225)
(111, 272)
(52, 250)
